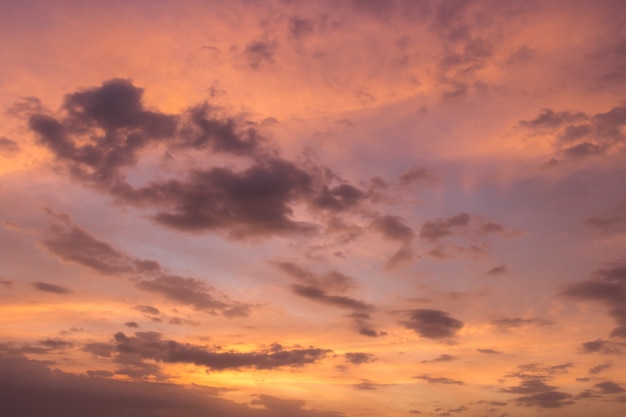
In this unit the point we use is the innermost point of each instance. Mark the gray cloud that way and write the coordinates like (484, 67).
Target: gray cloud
(578, 135)
(148, 310)
(22, 380)
(601, 346)
(150, 345)
(51, 288)
(444, 357)
(550, 399)
(498, 270)
(607, 286)
(513, 322)
(439, 380)
(358, 358)
(609, 387)
(72, 243)
(599, 368)
(488, 351)
(259, 54)
(8, 147)
(432, 324)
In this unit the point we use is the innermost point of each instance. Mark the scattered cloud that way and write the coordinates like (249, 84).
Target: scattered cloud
(51, 288)
(432, 324)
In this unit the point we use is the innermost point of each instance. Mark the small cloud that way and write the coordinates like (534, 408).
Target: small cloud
(498, 270)
(432, 324)
(148, 310)
(51, 288)
(488, 351)
(8, 147)
(441, 358)
(358, 358)
(439, 380)
(599, 368)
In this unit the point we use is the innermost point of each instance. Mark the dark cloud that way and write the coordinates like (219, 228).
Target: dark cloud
(609, 387)
(488, 351)
(538, 372)
(358, 358)
(258, 54)
(584, 150)
(56, 344)
(51, 288)
(369, 385)
(321, 288)
(30, 388)
(461, 224)
(550, 399)
(402, 256)
(549, 119)
(8, 147)
(599, 368)
(300, 27)
(333, 280)
(393, 228)
(608, 224)
(417, 175)
(498, 270)
(432, 324)
(338, 198)
(193, 292)
(254, 202)
(533, 379)
(202, 127)
(607, 286)
(435, 229)
(439, 380)
(529, 386)
(441, 358)
(131, 325)
(150, 345)
(319, 295)
(601, 346)
(508, 323)
(72, 243)
(148, 310)
(102, 131)
(578, 135)
(6, 283)
(104, 350)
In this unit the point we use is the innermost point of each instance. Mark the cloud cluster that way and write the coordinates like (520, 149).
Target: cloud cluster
(134, 350)
(101, 133)
(578, 135)
(533, 388)
(443, 233)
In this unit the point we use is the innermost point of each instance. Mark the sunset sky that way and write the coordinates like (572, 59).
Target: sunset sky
(289, 208)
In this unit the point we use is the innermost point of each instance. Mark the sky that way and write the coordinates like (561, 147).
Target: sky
(287, 208)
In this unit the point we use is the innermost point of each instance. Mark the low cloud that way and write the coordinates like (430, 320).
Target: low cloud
(432, 324)
(358, 358)
(75, 244)
(151, 345)
(51, 288)
(441, 358)
(608, 287)
(439, 380)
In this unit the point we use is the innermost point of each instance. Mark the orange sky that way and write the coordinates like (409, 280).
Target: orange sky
(313, 209)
